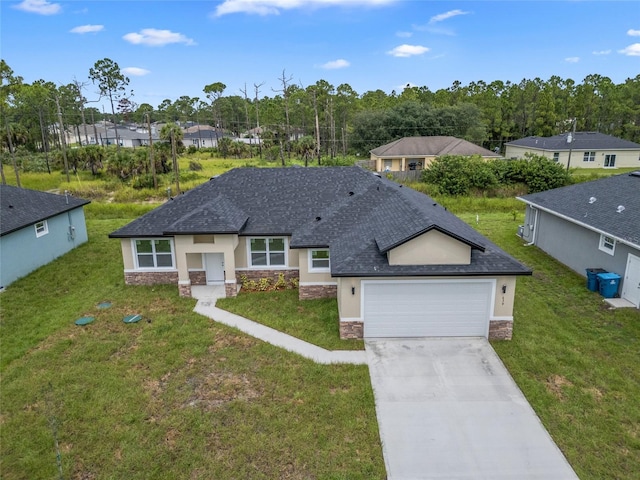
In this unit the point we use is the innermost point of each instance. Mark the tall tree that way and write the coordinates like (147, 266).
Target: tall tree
(213, 92)
(174, 134)
(111, 83)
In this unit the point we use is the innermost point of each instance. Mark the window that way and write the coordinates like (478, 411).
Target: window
(41, 228)
(268, 252)
(607, 244)
(387, 165)
(589, 156)
(610, 161)
(556, 156)
(319, 260)
(154, 253)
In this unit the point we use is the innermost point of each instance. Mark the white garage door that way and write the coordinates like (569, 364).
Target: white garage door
(426, 308)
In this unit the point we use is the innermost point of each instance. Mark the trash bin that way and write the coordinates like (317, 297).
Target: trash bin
(592, 278)
(608, 284)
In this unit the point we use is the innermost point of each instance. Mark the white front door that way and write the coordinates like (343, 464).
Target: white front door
(214, 266)
(631, 287)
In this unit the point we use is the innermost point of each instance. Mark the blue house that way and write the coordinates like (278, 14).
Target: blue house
(35, 228)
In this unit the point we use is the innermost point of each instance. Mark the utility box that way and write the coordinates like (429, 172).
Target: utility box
(608, 284)
(592, 278)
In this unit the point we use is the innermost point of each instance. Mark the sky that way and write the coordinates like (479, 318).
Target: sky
(173, 48)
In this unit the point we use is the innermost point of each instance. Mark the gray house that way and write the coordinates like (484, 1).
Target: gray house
(591, 225)
(579, 149)
(35, 228)
(399, 264)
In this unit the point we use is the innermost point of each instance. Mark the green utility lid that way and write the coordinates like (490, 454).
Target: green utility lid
(84, 320)
(132, 318)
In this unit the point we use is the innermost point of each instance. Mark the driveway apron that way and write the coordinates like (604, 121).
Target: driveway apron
(447, 408)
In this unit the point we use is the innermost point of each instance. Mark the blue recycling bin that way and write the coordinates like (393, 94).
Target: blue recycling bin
(592, 278)
(608, 284)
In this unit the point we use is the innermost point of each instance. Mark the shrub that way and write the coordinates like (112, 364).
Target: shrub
(194, 165)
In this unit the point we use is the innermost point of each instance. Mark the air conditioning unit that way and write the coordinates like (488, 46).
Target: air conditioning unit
(520, 231)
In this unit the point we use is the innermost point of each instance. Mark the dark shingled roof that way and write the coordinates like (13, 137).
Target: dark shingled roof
(20, 207)
(358, 215)
(580, 141)
(431, 146)
(596, 203)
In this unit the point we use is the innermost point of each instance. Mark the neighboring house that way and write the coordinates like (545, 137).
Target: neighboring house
(399, 263)
(591, 225)
(35, 228)
(415, 153)
(586, 149)
(206, 138)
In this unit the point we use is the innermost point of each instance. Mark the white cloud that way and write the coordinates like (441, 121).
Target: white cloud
(135, 71)
(87, 29)
(274, 7)
(572, 59)
(404, 34)
(633, 33)
(157, 38)
(41, 7)
(632, 50)
(601, 52)
(335, 64)
(444, 16)
(408, 50)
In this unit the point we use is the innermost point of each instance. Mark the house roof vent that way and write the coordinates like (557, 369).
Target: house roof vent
(620, 209)
(592, 200)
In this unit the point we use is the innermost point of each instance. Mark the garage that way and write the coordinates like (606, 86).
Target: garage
(427, 308)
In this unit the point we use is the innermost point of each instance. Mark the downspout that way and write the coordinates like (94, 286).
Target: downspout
(535, 229)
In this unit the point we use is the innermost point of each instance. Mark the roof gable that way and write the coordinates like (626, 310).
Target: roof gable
(595, 204)
(21, 207)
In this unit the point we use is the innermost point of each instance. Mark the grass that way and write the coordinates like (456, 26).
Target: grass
(175, 397)
(315, 321)
(575, 360)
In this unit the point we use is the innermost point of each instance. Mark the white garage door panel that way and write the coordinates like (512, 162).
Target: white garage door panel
(426, 309)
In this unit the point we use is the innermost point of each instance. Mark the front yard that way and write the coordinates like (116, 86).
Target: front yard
(179, 396)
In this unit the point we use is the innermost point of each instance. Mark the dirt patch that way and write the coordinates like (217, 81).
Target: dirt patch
(596, 393)
(216, 389)
(556, 384)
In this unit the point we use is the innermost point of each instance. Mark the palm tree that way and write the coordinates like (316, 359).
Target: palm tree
(174, 134)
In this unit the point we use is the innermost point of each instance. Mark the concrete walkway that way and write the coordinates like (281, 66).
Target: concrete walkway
(447, 408)
(206, 306)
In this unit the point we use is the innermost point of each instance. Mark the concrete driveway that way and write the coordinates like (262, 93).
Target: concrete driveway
(448, 409)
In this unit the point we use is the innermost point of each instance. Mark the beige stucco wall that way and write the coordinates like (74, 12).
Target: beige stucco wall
(624, 158)
(431, 248)
(311, 277)
(349, 304)
(194, 261)
(401, 164)
(241, 254)
(127, 253)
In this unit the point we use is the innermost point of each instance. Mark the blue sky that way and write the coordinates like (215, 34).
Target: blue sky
(173, 48)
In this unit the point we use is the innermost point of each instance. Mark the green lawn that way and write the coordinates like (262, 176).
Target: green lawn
(575, 360)
(175, 397)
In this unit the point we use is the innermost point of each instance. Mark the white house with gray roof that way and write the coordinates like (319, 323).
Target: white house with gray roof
(399, 263)
(579, 149)
(35, 228)
(591, 225)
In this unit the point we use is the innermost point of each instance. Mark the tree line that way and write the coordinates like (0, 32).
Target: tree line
(334, 120)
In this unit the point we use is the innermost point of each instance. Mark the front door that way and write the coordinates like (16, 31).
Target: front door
(631, 287)
(214, 266)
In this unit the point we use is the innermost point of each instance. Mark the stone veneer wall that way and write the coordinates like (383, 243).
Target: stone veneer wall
(351, 330)
(308, 292)
(184, 290)
(272, 274)
(198, 277)
(231, 289)
(500, 330)
(150, 278)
